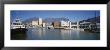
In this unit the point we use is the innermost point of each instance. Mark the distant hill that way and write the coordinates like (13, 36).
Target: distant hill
(94, 19)
(55, 19)
(30, 19)
(46, 19)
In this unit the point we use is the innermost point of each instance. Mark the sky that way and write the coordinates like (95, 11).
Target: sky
(72, 15)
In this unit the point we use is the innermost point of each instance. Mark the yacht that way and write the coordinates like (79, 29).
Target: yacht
(17, 23)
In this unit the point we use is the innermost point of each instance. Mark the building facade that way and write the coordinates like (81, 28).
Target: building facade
(35, 23)
(64, 23)
(40, 22)
(56, 24)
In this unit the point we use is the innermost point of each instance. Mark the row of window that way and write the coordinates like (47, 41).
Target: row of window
(17, 24)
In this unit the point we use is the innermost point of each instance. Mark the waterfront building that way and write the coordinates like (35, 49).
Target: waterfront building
(90, 26)
(56, 24)
(69, 25)
(95, 26)
(35, 23)
(77, 25)
(74, 25)
(85, 25)
(40, 22)
(65, 24)
(44, 24)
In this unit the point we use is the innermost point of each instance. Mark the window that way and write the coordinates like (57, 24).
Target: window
(17, 20)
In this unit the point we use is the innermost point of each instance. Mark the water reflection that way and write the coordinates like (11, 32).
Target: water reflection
(60, 34)
(66, 34)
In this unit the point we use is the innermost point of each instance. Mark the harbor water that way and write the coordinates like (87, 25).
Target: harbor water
(59, 34)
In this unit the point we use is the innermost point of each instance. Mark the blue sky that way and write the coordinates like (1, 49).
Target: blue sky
(72, 15)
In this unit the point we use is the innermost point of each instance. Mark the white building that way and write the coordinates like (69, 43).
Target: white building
(40, 21)
(17, 24)
(85, 25)
(35, 23)
(64, 23)
(43, 25)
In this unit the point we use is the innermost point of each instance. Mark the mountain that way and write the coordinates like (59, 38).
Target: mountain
(55, 19)
(30, 20)
(46, 19)
(94, 19)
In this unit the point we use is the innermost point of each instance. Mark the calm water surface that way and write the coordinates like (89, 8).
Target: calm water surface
(60, 34)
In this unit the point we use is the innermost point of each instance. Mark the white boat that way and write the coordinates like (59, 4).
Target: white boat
(17, 24)
(50, 27)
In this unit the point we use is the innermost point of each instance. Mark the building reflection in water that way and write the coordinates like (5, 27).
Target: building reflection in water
(44, 31)
(40, 33)
(59, 34)
(78, 35)
(66, 34)
(70, 34)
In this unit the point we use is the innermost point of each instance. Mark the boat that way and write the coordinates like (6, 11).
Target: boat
(50, 27)
(17, 24)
